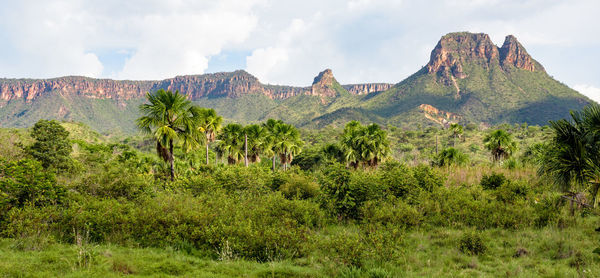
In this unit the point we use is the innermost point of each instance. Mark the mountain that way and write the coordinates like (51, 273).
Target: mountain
(106, 104)
(468, 79)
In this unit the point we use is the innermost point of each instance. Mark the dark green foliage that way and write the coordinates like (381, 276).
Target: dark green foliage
(398, 179)
(472, 243)
(391, 212)
(25, 182)
(428, 178)
(571, 159)
(451, 156)
(339, 196)
(299, 186)
(492, 181)
(51, 146)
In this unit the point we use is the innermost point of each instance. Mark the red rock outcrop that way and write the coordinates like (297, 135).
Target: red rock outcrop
(368, 88)
(444, 118)
(28, 89)
(512, 53)
(223, 84)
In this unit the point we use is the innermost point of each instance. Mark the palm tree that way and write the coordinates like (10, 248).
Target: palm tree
(457, 131)
(500, 143)
(374, 146)
(168, 117)
(367, 145)
(451, 156)
(231, 142)
(269, 141)
(573, 155)
(209, 123)
(256, 141)
(286, 143)
(350, 145)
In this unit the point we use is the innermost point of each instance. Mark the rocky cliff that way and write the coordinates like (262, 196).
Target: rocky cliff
(365, 89)
(224, 84)
(29, 89)
(455, 51)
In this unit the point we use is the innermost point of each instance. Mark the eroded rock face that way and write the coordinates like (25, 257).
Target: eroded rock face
(455, 50)
(444, 118)
(224, 84)
(512, 53)
(323, 84)
(369, 88)
(28, 89)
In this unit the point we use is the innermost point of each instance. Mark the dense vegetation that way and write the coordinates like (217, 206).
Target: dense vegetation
(364, 201)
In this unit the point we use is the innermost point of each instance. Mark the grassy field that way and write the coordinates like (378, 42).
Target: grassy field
(546, 252)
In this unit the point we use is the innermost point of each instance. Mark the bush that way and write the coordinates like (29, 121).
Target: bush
(266, 227)
(391, 212)
(428, 178)
(299, 186)
(510, 192)
(492, 181)
(240, 178)
(51, 146)
(26, 182)
(116, 181)
(398, 178)
(471, 243)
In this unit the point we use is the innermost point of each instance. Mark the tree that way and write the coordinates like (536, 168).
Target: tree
(349, 143)
(256, 141)
(572, 157)
(51, 147)
(286, 143)
(25, 182)
(457, 131)
(500, 143)
(374, 145)
(269, 142)
(451, 156)
(169, 118)
(231, 142)
(209, 123)
(366, 145)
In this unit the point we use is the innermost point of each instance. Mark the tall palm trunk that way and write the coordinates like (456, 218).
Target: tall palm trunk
(246, 150)
(273, 163)
(171, 160)
(207, 152)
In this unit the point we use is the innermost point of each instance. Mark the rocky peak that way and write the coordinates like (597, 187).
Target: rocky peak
(325, 84)
(454, 49)
(512, 53)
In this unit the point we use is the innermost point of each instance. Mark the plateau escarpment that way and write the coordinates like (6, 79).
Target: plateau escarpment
(467, 79)
(223, 84)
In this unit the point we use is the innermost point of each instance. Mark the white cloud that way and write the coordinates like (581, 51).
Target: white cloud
(289, 41)
(589, 91)
(166, 38)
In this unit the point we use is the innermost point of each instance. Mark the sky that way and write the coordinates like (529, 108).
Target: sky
(285, 42)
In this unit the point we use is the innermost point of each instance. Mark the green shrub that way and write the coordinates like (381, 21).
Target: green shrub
(27, 182)
(390, 213)
(116, 181)
(428, 178)
(472, 243)
(509, 192)
(339, 195)
(398, 178)
(492, 181)
(240, 178)
(51, 146)
(299, 186)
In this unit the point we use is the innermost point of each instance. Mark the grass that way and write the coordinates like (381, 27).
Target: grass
(424, 252)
